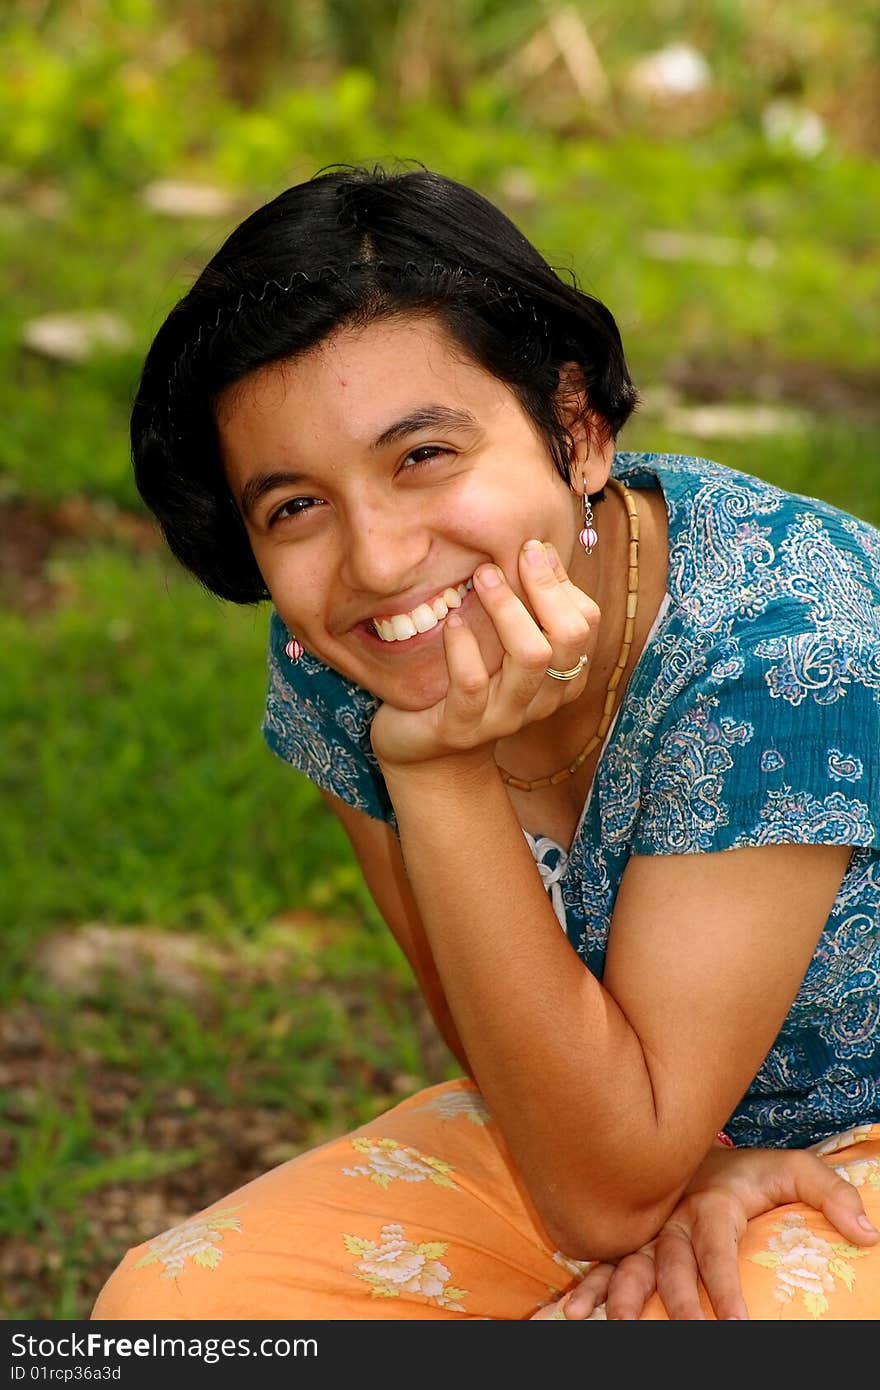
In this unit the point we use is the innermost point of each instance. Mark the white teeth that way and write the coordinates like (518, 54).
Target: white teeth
(425, 616)
(403, 626)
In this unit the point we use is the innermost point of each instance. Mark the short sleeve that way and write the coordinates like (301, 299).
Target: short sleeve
(773, 741)
(320, 723)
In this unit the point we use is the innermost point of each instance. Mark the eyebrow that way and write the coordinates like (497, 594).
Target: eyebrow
(425, 417)
(422, 418)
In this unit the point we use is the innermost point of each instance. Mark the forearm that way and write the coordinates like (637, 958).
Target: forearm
(441, 1015)
(561, 1069)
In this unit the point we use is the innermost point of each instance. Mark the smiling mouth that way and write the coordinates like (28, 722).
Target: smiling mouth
(425, 616)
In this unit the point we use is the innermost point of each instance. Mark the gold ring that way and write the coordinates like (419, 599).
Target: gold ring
(569, 675)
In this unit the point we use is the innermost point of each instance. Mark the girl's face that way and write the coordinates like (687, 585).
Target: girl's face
(378, 471)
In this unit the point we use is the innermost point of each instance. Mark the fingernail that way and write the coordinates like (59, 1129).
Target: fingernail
(489, 576)
(535, 553)
(867, 1225)
(453, 620)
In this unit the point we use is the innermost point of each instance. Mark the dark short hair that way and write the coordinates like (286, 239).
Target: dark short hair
(346, 248)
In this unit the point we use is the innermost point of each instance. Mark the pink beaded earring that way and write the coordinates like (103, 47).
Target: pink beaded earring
(588, 537)
(294, 649)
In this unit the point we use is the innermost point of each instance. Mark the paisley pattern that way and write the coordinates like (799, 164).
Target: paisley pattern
(844, 769)
(801, 818)
(772, 761)
(320, 722)
(697, 747)
(752, 718)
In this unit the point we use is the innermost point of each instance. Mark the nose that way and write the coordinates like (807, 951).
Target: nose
(386, 545)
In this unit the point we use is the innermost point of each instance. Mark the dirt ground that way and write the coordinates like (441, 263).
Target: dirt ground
(57, 1269)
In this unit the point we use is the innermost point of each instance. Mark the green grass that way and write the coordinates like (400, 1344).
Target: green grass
(58, 1161)
(312, 1025)
(135, 784)
(143, 748)
(830, 459)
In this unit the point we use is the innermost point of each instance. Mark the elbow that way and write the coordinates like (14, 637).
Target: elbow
(604, 1245)
(605, 1216)
(605, 1232)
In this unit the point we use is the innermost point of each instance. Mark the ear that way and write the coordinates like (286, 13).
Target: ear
(593, 451)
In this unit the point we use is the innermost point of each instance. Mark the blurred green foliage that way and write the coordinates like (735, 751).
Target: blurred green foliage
(105, 83)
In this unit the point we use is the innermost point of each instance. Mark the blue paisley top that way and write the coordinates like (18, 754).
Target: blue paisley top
(751, 718)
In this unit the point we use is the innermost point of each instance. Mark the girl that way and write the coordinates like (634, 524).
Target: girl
(604, 732)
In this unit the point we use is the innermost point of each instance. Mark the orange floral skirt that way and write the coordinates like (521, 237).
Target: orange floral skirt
(420, 1215)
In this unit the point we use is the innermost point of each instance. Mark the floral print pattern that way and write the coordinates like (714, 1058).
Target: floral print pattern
(859, 1134)
(394, 1265)
(752, 717)
(196, 1240)
(451, 1104)
(577, 1268)
(316, 1243)
(808, 1267)
(863, 1173)
(386, 1160)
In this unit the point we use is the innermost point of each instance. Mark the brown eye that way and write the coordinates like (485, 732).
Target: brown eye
(295, 507)
(431, 450)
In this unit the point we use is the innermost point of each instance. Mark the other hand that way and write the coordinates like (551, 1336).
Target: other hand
(701, 1239)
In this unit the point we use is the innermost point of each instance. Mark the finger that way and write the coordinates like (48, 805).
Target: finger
(563, 611)
(590, 1292)
(677, 1274)
(528, 653)
(821, 1187)
(468, 690)
(632, 1284)
(583, 601)
(716, 1237)
(551, 1312)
